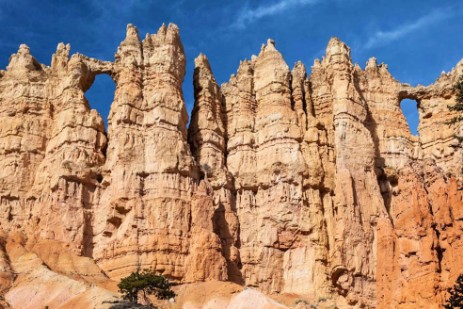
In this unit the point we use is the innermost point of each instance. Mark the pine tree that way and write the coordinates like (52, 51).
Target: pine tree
(456, 295)
(146, 282)
(459, 90)
(458, 107)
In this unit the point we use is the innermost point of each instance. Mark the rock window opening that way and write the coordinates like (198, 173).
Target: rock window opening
(410, 110)
(101, 95)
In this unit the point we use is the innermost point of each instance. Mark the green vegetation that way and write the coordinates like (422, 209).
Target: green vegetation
(146, 282)
(456, 295)
(459, 90)
(458, 107)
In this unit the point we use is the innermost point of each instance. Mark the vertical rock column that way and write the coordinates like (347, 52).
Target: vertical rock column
(440, 144)
(269, 234)
(206, 132)
(240, 112)
(168, 179)
(300, 91)
(121, 201)
(66, 183)
(319, 152)
(358, 202)
(239, 120)
(264, 156)
(150, 171)
(316, 285)
(395, 144)
(25, 115)
(207, 140)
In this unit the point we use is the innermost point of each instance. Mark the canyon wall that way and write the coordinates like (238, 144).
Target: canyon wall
(290, 183)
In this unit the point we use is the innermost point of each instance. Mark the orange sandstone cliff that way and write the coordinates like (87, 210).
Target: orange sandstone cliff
(287, 183)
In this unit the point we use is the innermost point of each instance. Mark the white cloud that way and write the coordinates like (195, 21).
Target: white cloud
(248, 15)
(385, 37)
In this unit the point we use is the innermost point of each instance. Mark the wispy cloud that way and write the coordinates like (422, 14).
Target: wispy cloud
(385, 37)
(247, 15)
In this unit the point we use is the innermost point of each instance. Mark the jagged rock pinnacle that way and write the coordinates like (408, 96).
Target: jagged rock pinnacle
(337, 47)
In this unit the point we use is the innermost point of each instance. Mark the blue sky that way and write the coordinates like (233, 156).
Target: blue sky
(416, 38)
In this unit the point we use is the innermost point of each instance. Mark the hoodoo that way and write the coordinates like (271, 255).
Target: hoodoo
(287, 183)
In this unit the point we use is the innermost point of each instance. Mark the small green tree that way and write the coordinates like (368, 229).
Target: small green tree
(146, 282)
(456, 295)
(458, 107)
(459, 90)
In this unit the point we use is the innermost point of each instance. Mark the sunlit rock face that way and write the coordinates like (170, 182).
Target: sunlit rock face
(288, 181)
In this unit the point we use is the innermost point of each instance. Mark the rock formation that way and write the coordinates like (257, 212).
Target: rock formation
(287, 183)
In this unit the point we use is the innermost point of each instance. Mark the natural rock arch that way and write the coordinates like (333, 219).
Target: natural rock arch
(410, 109)
(100, 94)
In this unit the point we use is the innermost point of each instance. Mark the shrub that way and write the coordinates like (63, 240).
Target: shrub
(458, 107)
(456, 295)
(146, 282)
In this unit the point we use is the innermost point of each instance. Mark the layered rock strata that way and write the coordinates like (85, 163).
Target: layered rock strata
(149, 174)
(289, 183)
